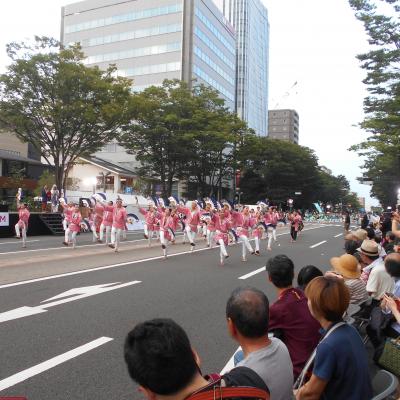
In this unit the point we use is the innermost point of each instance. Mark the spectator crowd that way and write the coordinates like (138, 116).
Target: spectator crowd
(320, 339)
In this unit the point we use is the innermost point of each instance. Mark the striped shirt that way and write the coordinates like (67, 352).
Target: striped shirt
(358, 290)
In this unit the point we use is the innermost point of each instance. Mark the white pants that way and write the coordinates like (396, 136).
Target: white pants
(95, 235)
(65, 224)
(73, 237)
(222, 250)
(148, 233)
(210, 237)
(191, 235)
(115, 237)
(245, 245)
(271, 234)
(21, 232)
(108, 230)
(204, 230)
(257, 243)
(164, 243)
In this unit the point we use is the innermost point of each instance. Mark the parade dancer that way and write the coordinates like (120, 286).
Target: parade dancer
(168, 221)
(74, 227)
(68, 210)
(295, 220)
(96, 218)
(150, 216)
(119, 219)
(243, 223)
(21, 227)
(221, 237)
(270, 221)
(257, 230)
(210, 222)
(192, 221)
(106, 222)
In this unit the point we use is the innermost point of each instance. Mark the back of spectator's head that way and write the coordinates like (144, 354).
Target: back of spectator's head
(159, 356)
(306, 275)
(392, 264)
(328, 297)
(371, 233)
(390, 236)
(248, 310)
(351, 246)
(369, 249)
(280, 271)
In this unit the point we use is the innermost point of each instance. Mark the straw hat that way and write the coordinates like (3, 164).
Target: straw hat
(369, 248)
(347, 265)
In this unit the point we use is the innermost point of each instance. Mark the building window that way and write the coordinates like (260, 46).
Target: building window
(140, 33)
(117, 19)
(215, 31)
(151, 69)
(212, 82)
(134, 53)
(202, 36)
(204, 57)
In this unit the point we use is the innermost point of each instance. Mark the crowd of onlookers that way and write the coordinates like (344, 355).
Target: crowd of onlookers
(311, 343)
(51, 196)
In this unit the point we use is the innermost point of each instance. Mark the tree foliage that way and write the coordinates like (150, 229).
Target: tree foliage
(49, 98)
(382, 106)
(182, 132)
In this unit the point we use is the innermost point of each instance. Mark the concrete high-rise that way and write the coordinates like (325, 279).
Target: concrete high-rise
(284, 125)
(250, 21)
(153, 40)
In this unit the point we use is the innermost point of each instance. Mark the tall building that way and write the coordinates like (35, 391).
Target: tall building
(250, 20)
(284, 125)
(153, 40)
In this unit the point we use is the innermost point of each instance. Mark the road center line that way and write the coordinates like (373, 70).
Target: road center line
(250, 274)
(340, 234)
(317, 244)
(53, 362)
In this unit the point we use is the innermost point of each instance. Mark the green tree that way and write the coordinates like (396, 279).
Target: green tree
(49, 98)
(276, 169)
(162, 118)
(381, 150)
(215, 135)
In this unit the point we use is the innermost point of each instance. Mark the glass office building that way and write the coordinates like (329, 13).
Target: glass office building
(250, 21)
(153, 40)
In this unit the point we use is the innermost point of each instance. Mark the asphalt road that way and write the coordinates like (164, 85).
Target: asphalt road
(70, 346)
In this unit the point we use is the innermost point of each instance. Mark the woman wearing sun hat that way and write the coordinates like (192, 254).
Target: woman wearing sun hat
(347, 266)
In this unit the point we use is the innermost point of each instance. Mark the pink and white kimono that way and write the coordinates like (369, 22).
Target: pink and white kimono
(221, 236)
(96, 220)
(21, 227)
(106, 223)
(67, 211)
(257, 232)
(119, 220)
(151, 223)
(243, 224)
(191, 223)
(74, 227)
(168, 224)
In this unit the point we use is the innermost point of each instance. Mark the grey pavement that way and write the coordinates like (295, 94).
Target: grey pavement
(190, 288)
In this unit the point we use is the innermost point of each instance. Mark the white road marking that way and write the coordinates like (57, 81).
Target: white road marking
(80, 293)
(78, 246)
(317, 244)
(250, 274)
(19, 242)
(230, 364)
(53, 362)
(45, 278)
(340, 234)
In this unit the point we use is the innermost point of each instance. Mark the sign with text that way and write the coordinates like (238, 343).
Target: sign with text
(4, 219)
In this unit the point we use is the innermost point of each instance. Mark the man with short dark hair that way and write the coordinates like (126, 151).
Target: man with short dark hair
(290, 317)
(247, 313)
(162, 362)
